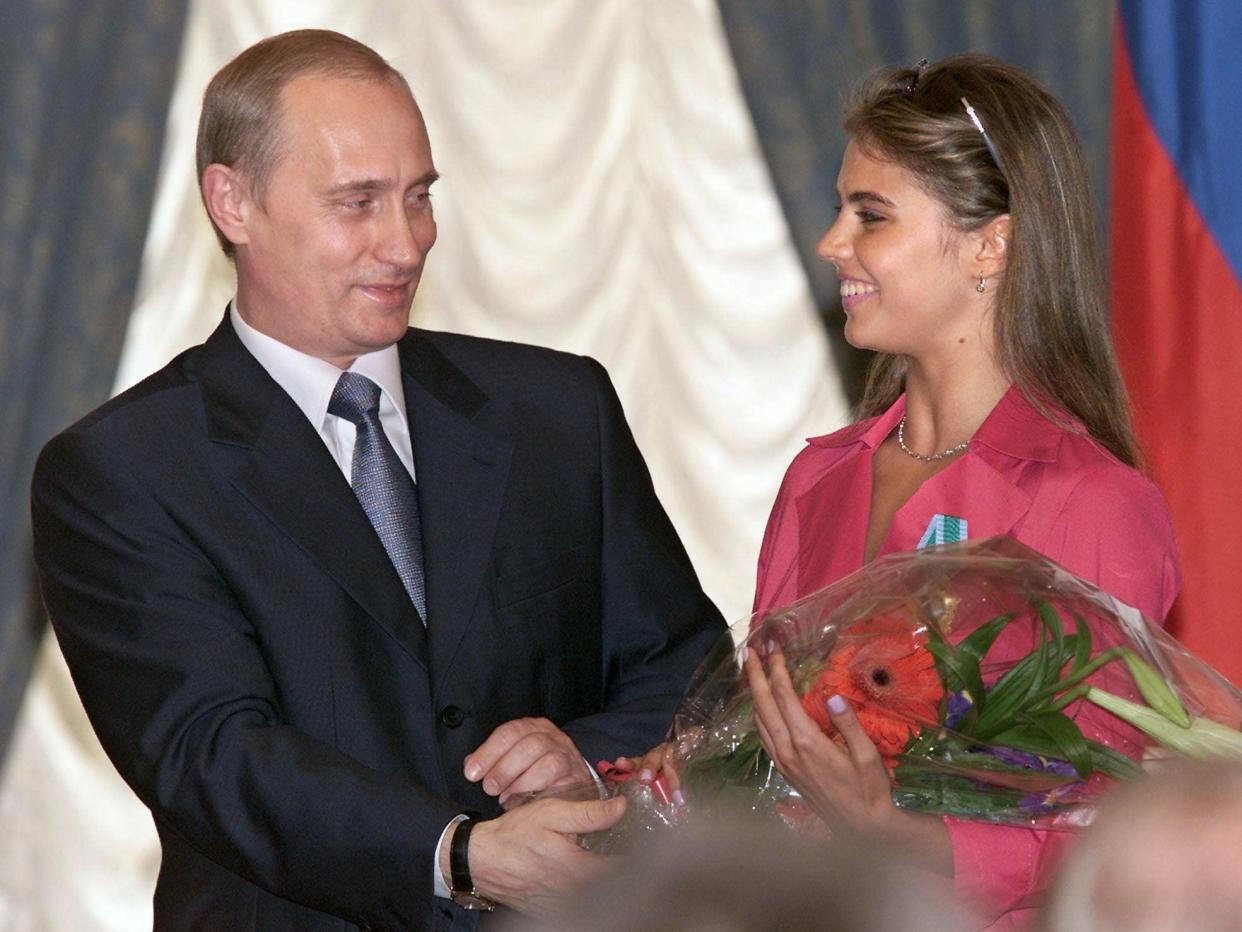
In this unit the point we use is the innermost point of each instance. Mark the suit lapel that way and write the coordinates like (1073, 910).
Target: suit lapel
(462, 473)
(283, 468)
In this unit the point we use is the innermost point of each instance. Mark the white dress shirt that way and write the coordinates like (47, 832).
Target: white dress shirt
(309, 381)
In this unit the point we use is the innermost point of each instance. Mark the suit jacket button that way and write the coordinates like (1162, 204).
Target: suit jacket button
(451, 716)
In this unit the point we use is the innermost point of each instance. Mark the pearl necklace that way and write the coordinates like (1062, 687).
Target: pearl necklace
(926, 457)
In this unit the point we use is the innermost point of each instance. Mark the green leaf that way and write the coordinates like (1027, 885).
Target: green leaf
(981, 639)
(1082, 647)
(1029, 737)
(1074, 647)
(1062, 649)
(951, 664)
(1052, 621)
(1009, 697)
(1114, 763)
(959, 672)
(951, 794)
(1067, 737)
(973, 649)
(746, 765)
(1031, 684)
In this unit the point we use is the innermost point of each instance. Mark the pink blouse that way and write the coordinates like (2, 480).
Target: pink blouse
(1056, 491)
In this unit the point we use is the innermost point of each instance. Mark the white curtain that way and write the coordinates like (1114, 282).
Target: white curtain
(602, 192)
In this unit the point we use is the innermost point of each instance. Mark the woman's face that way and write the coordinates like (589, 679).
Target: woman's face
(907, 276)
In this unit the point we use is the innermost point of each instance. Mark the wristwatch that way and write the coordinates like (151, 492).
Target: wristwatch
(464, 894)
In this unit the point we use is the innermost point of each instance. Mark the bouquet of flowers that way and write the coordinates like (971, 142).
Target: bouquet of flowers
(995, 685)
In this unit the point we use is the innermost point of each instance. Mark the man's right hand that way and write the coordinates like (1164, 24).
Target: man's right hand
(529, 858)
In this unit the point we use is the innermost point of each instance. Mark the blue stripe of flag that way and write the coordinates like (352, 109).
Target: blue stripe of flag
(1185, 55)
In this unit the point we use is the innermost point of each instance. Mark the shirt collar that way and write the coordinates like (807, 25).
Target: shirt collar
(871, 432)
(309, 380)
(1014, 428)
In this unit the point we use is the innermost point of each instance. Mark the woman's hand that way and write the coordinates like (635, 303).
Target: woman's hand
(656, 764)
(848, 787)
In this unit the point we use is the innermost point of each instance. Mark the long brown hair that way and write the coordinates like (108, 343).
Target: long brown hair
(1051, 317)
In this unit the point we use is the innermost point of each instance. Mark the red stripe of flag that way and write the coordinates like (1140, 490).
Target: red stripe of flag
(1177, 318)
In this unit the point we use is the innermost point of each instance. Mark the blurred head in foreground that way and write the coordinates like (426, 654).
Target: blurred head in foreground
(747, 876)
(1163, 854)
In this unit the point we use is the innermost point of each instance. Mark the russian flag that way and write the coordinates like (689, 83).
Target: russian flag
(1177, 289)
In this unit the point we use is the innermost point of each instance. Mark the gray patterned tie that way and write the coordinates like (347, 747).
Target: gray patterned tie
(382, 483)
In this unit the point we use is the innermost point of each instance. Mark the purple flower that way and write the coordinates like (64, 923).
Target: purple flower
(1032, 761)
(958, 708)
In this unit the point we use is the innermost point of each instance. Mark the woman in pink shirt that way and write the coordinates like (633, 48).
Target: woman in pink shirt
(967, 254)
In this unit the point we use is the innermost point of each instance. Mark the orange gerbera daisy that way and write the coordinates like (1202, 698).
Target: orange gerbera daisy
(883, 667)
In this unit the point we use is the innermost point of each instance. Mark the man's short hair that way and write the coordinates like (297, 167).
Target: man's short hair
(240, 121)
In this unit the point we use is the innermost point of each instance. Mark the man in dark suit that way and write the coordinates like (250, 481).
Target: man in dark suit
(310, 684)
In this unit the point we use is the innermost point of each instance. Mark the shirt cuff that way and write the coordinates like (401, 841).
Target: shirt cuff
(440, 884)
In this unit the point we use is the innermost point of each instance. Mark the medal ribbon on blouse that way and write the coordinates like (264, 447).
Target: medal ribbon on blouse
(943, 529)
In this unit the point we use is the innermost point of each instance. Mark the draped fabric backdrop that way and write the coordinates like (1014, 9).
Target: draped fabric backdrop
(83, 94)
(602, 192)
(1177, 288)
(84, 90)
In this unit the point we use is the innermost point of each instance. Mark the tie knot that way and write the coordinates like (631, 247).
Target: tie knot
(354, 397)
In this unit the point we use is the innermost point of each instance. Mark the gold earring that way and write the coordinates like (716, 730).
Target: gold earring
(982, 286)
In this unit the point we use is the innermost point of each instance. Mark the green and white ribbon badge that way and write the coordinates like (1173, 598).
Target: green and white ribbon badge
(943, 529)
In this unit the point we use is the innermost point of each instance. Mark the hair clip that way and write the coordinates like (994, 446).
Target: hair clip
(918, 75)
(987, 140)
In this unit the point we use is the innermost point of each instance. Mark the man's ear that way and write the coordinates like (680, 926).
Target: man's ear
(992, 254)
(227, 200)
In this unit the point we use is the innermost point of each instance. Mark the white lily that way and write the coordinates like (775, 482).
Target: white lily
(1202, 738)
(1156, 690)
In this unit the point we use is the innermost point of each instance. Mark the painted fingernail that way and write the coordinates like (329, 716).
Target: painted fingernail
(770, 646)
(678, 799)
(646, 776)
(745, 652)
(473, 772)
(836, 705)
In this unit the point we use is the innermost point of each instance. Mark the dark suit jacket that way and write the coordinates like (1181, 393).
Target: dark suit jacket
(250, 659)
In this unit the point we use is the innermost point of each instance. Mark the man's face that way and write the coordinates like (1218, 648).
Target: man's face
(332, 253)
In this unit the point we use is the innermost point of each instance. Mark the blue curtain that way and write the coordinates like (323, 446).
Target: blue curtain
(798, 60)
(84, 90)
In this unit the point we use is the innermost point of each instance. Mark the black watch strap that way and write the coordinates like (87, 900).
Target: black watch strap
(459, 856)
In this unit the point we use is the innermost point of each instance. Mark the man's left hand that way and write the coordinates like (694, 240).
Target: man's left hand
(526, 755)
